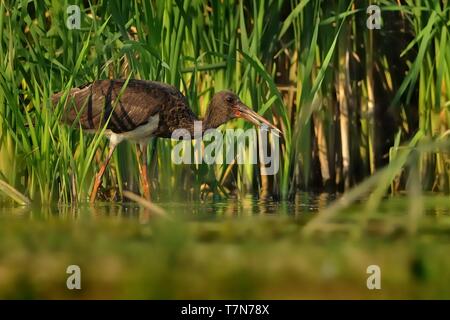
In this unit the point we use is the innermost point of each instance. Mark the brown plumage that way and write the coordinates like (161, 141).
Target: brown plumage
(97, 101)
(144, 109)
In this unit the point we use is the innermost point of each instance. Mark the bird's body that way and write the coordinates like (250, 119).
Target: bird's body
(134, 113)
(137, 109)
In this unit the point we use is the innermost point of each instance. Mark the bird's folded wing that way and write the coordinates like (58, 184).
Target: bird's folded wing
(107, 101)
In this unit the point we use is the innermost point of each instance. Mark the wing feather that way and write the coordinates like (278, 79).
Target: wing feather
(93, 104)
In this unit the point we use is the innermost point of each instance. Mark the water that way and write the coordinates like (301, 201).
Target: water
(304, 203)
(231, 248)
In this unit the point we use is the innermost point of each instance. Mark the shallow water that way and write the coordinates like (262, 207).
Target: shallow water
(247, 206)
(231, 248)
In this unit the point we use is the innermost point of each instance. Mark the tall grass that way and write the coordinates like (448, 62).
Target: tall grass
(340, 92)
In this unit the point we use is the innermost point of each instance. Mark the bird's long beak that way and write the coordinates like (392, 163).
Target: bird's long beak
(244, 112)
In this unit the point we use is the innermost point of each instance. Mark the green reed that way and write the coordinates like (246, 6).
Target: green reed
(340, 92)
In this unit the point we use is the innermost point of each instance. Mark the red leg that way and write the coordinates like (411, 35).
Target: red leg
(99, 175)
(142, 160)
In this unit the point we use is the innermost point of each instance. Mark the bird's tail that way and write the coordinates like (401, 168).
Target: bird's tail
(69, 114)
(56, 97)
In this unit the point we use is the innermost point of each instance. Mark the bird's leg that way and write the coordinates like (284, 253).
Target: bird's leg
(99, 175)
(142, 161)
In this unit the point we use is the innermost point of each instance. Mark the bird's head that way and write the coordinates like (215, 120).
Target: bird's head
(225, 105)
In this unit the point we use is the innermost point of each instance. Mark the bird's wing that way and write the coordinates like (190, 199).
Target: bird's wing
(92, 105)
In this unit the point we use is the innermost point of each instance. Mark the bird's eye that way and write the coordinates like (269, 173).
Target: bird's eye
(229, 99)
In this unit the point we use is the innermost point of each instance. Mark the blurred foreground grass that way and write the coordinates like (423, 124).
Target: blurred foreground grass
(246, 250)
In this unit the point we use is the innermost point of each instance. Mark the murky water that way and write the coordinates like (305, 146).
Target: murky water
(230, 248)
(303, 203)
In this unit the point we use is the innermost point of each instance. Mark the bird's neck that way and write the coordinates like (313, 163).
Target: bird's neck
(197, 127)
(212, 120)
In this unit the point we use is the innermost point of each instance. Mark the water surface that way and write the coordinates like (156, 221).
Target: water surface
(232, 248)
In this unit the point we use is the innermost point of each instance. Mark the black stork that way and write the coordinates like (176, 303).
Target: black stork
(137, 110)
